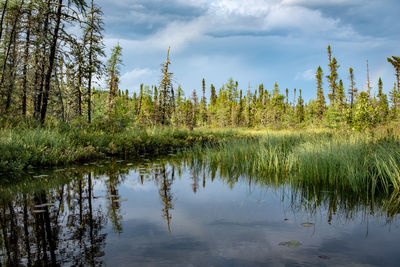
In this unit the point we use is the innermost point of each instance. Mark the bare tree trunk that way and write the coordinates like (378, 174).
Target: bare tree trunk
(25, 67)
(11, 43)
(89, 100)
(52, 56)
(11, 80)
(60, 97)
(2, 18)
(39, 89)
(79, 90)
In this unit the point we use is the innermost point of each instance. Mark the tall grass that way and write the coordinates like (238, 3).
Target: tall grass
(23, 147)
(345, 161)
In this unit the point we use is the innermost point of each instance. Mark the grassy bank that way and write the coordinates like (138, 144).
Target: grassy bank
(342, 160)
(325, 159)
(25, 147)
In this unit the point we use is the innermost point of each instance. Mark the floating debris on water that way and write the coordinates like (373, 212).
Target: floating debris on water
(307, 224)
(129, 164)
(120, 200)
(38, 211)
(290, 244)
(40, 176)
(324, 257)
(44, 205)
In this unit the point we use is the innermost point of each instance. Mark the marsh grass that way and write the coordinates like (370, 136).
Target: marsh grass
(359, 163)
(24, 147)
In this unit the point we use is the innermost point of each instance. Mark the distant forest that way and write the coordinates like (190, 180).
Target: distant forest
(47, 73)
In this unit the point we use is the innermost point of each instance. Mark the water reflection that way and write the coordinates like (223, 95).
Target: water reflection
(53, 224)
(146, 212)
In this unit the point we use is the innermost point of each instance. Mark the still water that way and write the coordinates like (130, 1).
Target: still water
(171, 212)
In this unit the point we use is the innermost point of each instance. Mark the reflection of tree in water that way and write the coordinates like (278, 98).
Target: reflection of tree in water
(114, 211)
(40, 228)
(301, 197)
(195, 179)
(165, 184)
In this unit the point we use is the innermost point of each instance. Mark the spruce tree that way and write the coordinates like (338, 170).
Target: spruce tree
(332, 78)
(95, 49)
(352, 94)
(340, 95)
(300, 114)
(203, 104)
(383, 106)
(395, 61)
(395, 100)
(166, 92)
(113, 73)
(320, 109)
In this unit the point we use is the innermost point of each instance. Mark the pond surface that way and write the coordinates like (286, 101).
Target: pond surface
(171, 212)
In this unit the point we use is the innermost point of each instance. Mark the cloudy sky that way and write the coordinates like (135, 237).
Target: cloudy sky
(253, 41)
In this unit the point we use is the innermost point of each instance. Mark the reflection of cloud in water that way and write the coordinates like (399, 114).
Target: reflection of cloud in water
(134, 184)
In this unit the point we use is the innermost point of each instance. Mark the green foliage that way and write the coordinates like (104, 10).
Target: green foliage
(365, 114)
(353, 162)
(24, 147)
(382, 104)
(320, 108)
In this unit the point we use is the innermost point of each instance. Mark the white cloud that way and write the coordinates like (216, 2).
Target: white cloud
(307, 75)
(136, 73)
(269, 16)
(319, 2)
(231, 17)
(133, 78)
(176, 34)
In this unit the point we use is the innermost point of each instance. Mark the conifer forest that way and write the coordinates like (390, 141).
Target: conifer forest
(81, 156)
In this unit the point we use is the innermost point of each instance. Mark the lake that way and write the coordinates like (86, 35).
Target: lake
(171, 211)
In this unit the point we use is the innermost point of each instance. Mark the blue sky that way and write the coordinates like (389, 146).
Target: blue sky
(253, 41)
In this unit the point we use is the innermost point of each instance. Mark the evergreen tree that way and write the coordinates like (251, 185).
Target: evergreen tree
(195, 110)
(166, 92)
(340, 95)
(395, 61)
(277, 104)
(395, 99)
(300, 113)
(383, 106)
(320, 108)
(156, 109)
(95, 49)
(352, 94)
(113, 73)
(203, 105)
(332, 78)
(179, 120)
(365, 114)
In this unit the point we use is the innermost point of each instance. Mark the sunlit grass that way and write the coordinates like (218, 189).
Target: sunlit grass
(22, 147)
(345, 160)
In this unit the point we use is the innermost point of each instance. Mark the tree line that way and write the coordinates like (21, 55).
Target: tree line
(47, 69)
(230, 106)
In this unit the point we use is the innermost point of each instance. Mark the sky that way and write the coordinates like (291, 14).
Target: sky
(252, 41)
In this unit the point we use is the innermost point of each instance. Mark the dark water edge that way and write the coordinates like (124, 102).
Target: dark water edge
(171, 211)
